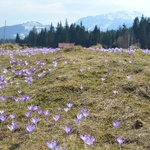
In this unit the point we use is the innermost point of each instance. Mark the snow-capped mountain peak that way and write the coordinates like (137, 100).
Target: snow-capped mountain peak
(110, 20)
(29, 25)
(32, 23)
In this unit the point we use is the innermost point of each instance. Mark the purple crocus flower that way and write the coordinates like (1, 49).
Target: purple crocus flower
(56, 117)
(105, 60)
(30, 107)
(81, 70)
(84, 112)
(3, 117)
(2, 78)
(41, 63)
(52, 144)
(1, 87)
(130, 61)
(74, 62)
(66, 62)
(89, 140)
(29, 80)
(26, 97)
(13, 62)
(55, 63)
(40, 112)
(66, 109)
(35, 108)
(146, 51)
(116, 124)
(49, 69)
(30, 128)
(81, 87)
(103, 79)
(27, 114)
(67, 129)
(5, 71)
(3, 98)
(33, 70)
(2, 111)
(120, 140)
(12, 116)
(46, 112)
(12, 126)
(35, 120)
(26, 63)
(79, 116)
(115, 92)
(89, 68)
(59, 109)
(129, 77)
(17, 83)
(69, 105)
(19, 91)
(40, 75)
(146, 89)
(59, 148)
(76, 121)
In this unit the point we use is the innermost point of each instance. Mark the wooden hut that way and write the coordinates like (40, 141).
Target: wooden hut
(65, 45)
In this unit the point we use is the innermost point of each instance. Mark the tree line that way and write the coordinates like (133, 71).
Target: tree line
(138, 34)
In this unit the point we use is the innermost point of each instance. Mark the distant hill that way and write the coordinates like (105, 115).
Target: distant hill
(105, 21)
(22, 29)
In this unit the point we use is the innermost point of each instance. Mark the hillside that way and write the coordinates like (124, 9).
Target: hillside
(72, 93)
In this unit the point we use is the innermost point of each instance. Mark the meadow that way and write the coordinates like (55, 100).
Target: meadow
(74, 98)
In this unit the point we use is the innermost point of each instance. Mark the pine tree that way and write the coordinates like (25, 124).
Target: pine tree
(143, 32)
(95, 36)
(66, 32)
(72, 33)
(32, 38)
(18, 40)
(51, 37)
(136, 28)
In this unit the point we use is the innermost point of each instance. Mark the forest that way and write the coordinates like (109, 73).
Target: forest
(137, 35)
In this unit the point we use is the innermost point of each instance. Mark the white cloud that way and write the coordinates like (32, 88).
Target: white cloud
(47, 11)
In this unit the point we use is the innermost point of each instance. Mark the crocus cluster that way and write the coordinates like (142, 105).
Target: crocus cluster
(69, 106)
(84, 113)
(88, 139)
(2, 82)
(12, 126)
(120, 140)
(29, 75)
(54, 145)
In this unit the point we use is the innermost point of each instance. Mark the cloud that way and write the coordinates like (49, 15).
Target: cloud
(47, 11)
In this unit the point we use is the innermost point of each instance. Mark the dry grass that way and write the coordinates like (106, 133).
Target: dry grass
(79, 67)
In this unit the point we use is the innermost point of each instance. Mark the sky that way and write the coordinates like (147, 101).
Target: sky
(53, 11)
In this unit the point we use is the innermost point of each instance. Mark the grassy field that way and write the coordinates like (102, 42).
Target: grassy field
(108, 85)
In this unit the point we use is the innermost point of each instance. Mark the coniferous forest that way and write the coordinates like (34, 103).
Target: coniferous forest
(138, 35)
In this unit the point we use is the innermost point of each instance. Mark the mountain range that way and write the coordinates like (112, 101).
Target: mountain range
(104, 22)
(109, 21)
